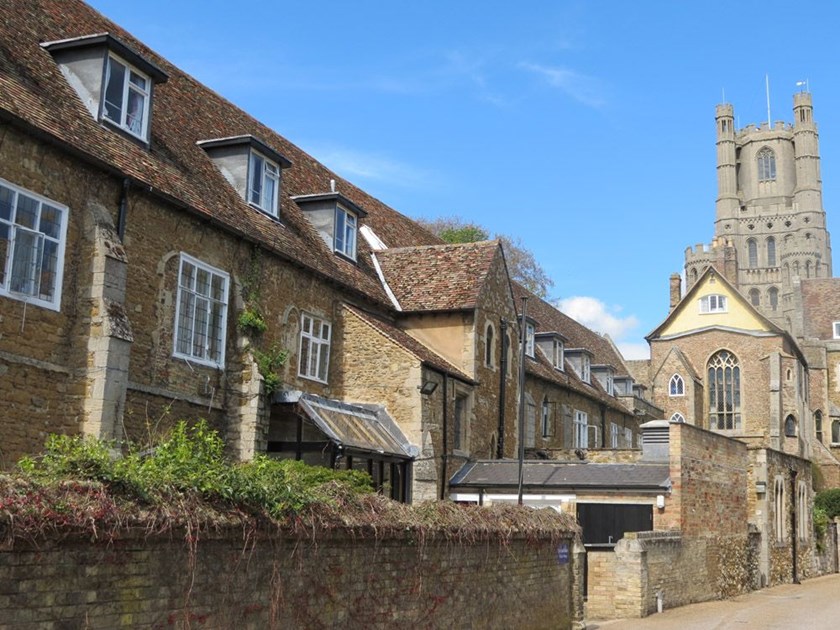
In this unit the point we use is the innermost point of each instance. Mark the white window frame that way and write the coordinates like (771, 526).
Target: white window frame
(678, 417)
(127, 88)
(610, 384)
(585, 368)
(346, 231)
(581, 427)
(318, 348)
(676, 386)
(269, 171)
(628, 437)
(15, 231)
(530, 332)
(835, 326)
(559, 356)
(613, 435)
(802, 510)
(714, 303)
(201, 357)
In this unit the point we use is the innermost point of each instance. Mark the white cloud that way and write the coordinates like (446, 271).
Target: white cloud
(594, 314)
(584, 89)
(634, 350)
(371, 166)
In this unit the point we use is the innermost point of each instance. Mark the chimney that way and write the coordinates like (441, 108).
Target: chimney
(676, 282)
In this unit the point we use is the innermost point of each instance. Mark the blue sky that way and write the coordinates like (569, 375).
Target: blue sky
(586, 129)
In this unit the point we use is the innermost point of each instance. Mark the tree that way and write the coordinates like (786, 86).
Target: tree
(522, 265)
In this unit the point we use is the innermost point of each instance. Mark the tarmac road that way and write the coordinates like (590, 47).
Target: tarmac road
(812, 605)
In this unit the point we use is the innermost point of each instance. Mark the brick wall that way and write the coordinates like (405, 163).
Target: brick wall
(343, 580)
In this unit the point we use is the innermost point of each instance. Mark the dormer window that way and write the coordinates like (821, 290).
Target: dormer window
(336, 219)
(127, 97)
(530, 329)
(581, 361)
(345, 232)
(713, 304)
(252, 167)
(553, 347)
(263, 183)
(114, 82)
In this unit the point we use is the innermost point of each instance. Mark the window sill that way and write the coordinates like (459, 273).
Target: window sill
(142, 140)
(197, 361)
(271, 215)
(313, 378)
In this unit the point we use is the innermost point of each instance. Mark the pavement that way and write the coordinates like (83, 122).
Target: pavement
(812, 605)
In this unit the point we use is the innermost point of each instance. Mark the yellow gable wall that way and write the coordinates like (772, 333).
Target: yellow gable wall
(688, 317)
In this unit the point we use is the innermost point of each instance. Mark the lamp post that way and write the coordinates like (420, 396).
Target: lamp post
(522, 340)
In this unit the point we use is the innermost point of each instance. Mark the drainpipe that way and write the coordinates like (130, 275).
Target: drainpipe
(123, 210)
(445, 447)
(603, 426)
(793, 522)
(500, 443)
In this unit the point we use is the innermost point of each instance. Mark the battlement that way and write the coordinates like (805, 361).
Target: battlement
(779, 125)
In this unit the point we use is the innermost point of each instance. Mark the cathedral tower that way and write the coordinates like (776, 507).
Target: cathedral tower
(769, 220)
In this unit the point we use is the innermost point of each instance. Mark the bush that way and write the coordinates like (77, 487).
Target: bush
(190, 461)
(829, 501)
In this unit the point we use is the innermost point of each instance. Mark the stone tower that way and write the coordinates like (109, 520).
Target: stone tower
(769, 222)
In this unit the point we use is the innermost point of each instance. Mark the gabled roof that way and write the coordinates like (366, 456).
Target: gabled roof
(681, 358)
(563, 476)
(409, 344)
(438, 277)
(682, 320)
(37, 98)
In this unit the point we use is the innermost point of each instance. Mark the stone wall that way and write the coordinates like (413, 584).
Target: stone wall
(646, 568)
(288, 583)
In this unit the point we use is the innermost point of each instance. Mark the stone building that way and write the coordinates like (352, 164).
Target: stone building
(167, 256)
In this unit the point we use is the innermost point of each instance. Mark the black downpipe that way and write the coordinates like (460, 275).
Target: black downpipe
(603, 426)
(500, 443)
(123, 211)
(445, 439)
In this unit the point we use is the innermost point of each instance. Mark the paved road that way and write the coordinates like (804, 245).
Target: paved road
(812, 605)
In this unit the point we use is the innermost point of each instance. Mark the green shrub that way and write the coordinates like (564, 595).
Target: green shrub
(190, 461)
(268, 363)
(829, 501)
(251, 321)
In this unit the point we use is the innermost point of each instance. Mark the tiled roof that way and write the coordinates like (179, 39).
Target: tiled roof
(409, 344)
(577, 476)
(541, 367)
(438, 277)
(35, 95)
(550, 319)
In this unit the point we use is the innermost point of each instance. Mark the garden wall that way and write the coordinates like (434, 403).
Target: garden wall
(289, 582)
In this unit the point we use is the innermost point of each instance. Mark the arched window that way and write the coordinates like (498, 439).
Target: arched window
(773, 298)
(508, 356)
(807, 268)
(771, 252)
(802, 510)
(678, 417)
(488, 346)
(752, 253)
(779, 508)
(766, 165)
(835, 432)
(694, 275)
(724, 391)
(755, 297)
(818, 425)
(677, 386)
(790, 426)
